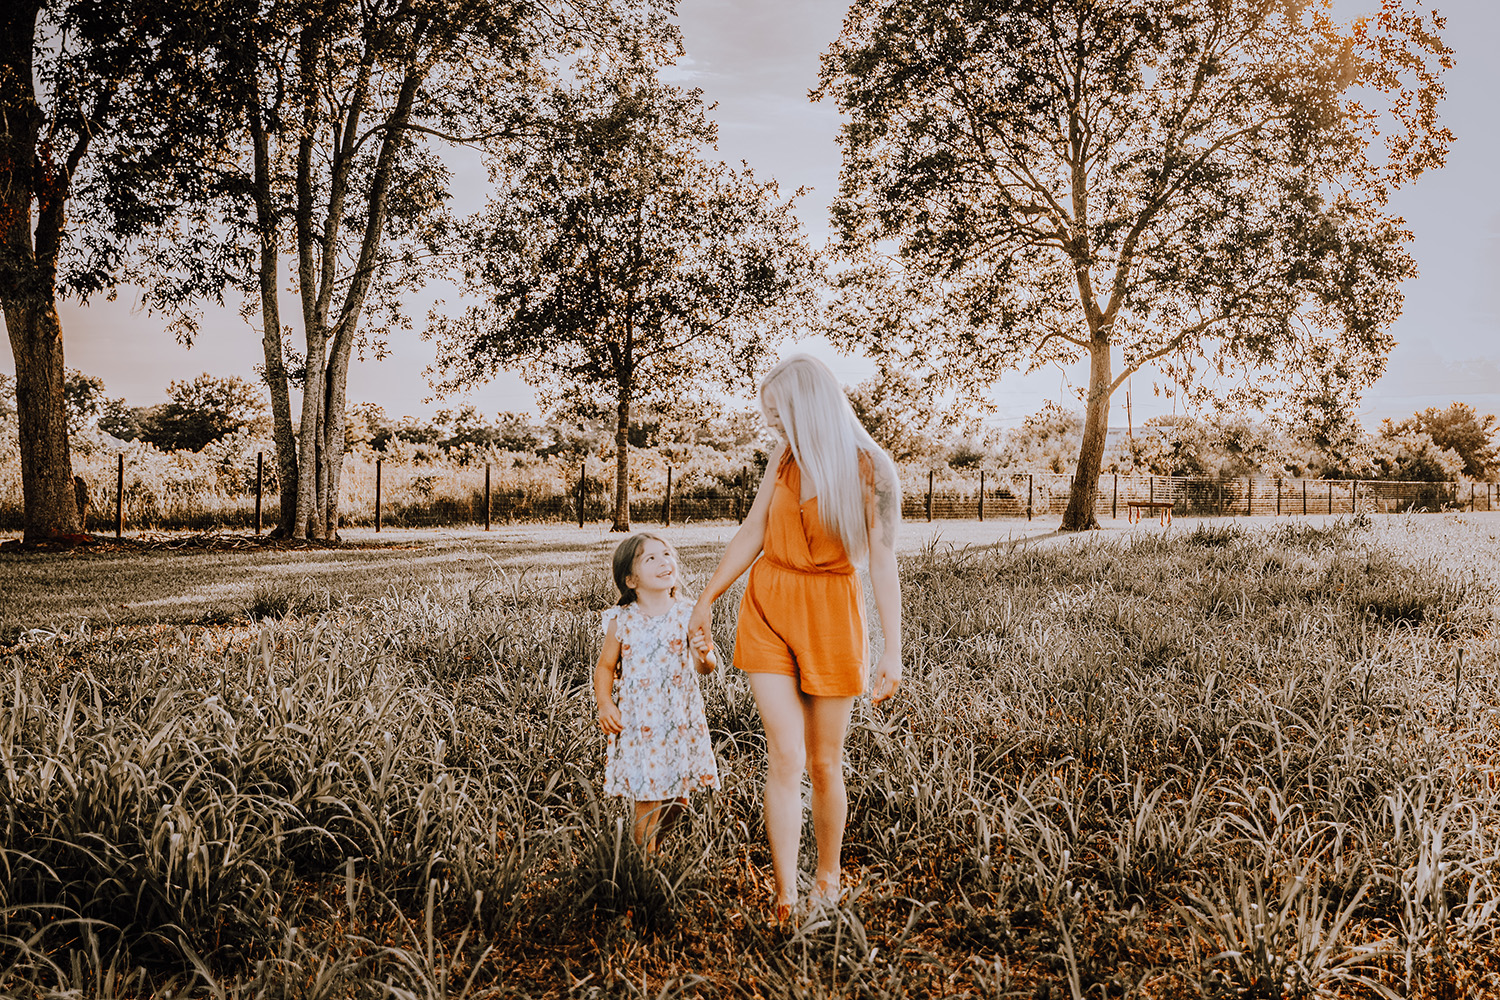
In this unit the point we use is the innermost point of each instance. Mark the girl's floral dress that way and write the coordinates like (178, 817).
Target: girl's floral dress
(664, 751)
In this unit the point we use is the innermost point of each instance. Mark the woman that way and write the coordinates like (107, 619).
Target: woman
(830, 500)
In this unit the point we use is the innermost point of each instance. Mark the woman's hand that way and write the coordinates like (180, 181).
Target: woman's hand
(887, 677)
(701, 624)
(610, 719)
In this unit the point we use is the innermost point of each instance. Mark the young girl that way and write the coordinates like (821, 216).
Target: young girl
(659, 748)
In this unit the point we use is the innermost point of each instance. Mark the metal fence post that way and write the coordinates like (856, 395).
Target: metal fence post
(1249, 496)
(1354, 496)
(981, 494)
(1029, 490)
(1114, 504)
(1304, 498)
(1330, 496)
(582, 475)
(929, 494)
(666, 506)
(1151, 488)
(260, 468)
(486, 496)
(120, 494)
(378, 462)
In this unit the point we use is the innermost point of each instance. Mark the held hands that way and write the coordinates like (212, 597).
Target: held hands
(700, 628)
(706, 658)
(610, 719)
(701, 622)
(887, 677)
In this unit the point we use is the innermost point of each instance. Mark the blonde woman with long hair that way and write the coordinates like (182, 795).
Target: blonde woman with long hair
(830, 501)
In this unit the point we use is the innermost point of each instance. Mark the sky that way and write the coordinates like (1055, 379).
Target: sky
(757, 59)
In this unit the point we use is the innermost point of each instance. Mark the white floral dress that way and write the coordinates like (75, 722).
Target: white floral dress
(664, 750)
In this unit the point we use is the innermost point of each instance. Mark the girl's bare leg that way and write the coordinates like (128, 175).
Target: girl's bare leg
(647, 824)
(781, 714)
(826, 721)
(654, 819)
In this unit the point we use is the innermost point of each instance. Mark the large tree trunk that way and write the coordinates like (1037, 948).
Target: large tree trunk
(622, 463)
(335, 397)
(309, 514)
(1081, 500)
(270, 339)
(314, 296)
(28, 284)
(50, 508)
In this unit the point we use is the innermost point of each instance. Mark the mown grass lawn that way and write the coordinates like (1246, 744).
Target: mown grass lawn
(1214, 761)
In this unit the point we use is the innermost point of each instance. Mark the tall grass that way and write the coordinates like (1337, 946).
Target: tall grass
(1217, 764)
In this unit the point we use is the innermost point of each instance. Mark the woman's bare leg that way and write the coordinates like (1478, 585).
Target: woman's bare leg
(781, 714)
(827, 721)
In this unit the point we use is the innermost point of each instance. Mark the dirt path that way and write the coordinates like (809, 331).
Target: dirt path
(58, 590)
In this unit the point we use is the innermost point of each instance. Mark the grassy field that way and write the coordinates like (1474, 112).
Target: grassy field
(1218, 760)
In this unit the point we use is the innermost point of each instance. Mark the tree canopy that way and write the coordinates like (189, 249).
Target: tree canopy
(318, 139)
(1191, 183)
(197, 413)
(617, 264)
(902, 415)
(69, 76)
(1457, 428)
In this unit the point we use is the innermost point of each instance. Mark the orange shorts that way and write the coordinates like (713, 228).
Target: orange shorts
(808, 626)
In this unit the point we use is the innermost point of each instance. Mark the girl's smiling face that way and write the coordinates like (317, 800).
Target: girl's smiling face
(654, 570)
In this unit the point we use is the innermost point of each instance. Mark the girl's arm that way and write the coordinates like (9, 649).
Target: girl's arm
(882, 514)
(741, 550)
(610, 719)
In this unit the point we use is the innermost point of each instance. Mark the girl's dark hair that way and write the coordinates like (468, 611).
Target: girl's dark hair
(624, 561)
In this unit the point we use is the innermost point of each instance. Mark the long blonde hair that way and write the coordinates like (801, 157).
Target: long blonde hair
(826, 439)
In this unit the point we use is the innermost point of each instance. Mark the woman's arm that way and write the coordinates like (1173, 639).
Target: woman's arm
(741, 550)
(610, 719)
(882, 514)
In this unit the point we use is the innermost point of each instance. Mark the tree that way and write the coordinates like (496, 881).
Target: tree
(1190, 183)
(196, 414)
(901, 414)
(83, 395)
(1412, 456)
(321, 125)
(617, 264)
(63, 72)
(200, 412)
(128, 423)
(1459, 429)
(1224, 446)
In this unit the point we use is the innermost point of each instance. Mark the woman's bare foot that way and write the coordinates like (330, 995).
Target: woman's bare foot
(784, 911)
(825, 891)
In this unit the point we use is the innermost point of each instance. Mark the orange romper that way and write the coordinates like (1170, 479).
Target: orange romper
(803, 613)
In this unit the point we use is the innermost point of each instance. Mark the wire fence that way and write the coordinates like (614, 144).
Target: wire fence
(1031, 495)
(1023, 494)
(999, 495)
(472, 495)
